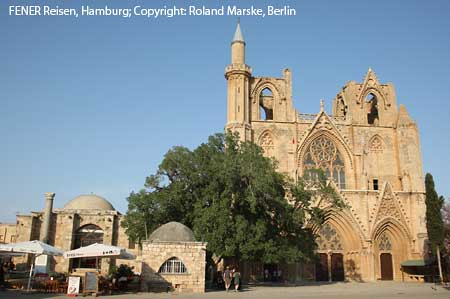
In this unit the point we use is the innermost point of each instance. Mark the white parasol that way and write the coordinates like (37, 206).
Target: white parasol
(99, 250)
(35, 248)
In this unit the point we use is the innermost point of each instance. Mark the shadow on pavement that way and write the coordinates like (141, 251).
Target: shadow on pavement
(11, 294)
(249, 287)
(298, 284)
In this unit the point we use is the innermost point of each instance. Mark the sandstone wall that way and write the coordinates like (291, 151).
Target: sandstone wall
(193, 256)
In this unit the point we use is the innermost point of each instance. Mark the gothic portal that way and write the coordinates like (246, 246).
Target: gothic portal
(370, 151)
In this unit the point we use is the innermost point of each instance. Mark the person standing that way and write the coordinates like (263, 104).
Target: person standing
(2, 276)
(227, 278)
(237, 279)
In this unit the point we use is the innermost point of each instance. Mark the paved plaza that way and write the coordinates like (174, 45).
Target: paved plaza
(379, 290)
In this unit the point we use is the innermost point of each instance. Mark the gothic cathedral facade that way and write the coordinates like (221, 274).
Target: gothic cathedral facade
(369, 149)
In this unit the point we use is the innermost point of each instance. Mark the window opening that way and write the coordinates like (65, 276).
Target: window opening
(375, 184)
(372, 115)
(173, 266)
(266, 104)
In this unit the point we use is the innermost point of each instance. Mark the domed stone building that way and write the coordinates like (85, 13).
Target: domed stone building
(172, 231)
(89, 202)
(171, 256)
(84, 220)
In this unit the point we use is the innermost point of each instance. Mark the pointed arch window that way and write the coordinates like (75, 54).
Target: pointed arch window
(372, 114)
(323, 154)
(173, 266)
(266, 104)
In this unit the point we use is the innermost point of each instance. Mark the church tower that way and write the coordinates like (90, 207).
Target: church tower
(238, 75)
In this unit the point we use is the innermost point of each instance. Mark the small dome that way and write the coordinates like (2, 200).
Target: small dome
(88, 202)
(172, 232)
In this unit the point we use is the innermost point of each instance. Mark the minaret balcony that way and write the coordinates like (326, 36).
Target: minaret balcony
(238, 68)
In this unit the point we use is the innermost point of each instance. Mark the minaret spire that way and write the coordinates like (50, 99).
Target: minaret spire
(238, 46)
(238, 36)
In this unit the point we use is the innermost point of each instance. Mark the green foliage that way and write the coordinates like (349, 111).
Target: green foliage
(234, 199)
(121, 271)
(435, 225)
(304, 193)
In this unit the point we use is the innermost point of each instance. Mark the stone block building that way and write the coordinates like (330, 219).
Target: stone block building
(369, 149)
(84, 220)
(169, 257)
(172, 257)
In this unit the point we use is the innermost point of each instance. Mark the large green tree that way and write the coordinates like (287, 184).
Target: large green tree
(446, 221)
(435, 225)
(234, 199)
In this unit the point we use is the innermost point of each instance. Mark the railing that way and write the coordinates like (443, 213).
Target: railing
(311, 117)
(307, 117)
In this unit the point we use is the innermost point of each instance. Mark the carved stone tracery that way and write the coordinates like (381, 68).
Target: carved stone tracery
(388, 208)
(323, 154)
(323, 124)
(267, 144)
(384, 243)
(376, 144)
(328, 238)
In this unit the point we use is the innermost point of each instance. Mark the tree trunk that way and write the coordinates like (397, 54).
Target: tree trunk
(438, 254)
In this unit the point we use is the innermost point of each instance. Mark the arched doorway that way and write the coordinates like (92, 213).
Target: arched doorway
(390, 235)
(386, 269)
(84, 236)
(330, 266)
(385, 248)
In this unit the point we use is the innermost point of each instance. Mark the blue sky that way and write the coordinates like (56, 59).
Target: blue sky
(92, 104)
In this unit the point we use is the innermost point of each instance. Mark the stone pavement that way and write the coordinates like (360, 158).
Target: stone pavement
(378, 290)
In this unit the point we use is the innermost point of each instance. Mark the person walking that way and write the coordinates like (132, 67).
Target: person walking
(237, 279)
(227, 277)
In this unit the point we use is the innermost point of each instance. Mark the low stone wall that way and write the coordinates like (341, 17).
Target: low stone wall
(193, 256)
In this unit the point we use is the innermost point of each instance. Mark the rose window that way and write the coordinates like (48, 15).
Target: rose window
(323, 154)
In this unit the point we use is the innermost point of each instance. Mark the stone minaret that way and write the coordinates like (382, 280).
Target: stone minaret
(238, 75)
(49, 196)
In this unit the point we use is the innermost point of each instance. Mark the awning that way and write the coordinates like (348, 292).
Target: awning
(33, 247)
(98, 251)
(10, 254)
(415, 263)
